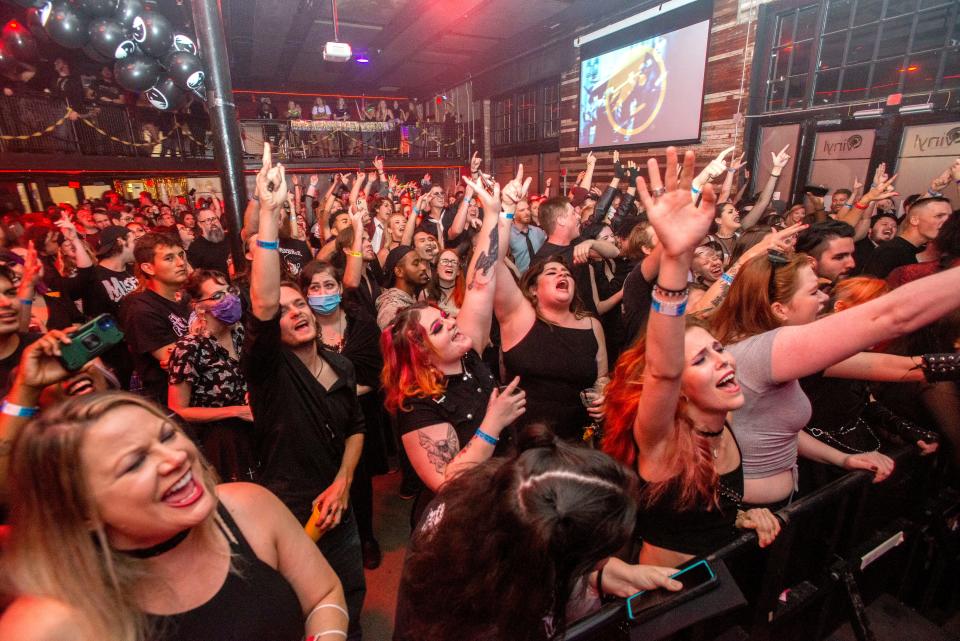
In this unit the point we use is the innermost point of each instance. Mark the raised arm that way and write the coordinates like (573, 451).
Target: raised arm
(460, 218)
(354, 267)
(780, 160)
(680, 226)
(265, 271)
(588, 175)
(476, 313)
(411, 227)
(802, 350)
(731, 173)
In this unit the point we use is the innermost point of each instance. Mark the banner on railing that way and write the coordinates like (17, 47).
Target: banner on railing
(339, 125)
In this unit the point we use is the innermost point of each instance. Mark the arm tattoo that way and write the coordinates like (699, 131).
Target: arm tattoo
(440, 452)
(719, 298)
(486, 261)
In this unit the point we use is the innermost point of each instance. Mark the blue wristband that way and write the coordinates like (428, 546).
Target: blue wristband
(727, 278)
(694, 189)
(669, 309)
(507, 215)
(268, 244)
(26, 301)
(12, 409)
(483, 436)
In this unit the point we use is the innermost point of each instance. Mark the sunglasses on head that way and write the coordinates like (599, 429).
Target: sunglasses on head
(776, 259)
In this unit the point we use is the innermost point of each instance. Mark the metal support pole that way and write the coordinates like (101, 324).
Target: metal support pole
(223, 119)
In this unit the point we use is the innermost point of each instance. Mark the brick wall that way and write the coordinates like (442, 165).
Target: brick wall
(728, 65)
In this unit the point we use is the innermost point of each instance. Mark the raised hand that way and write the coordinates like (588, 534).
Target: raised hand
(487, 199)
(515, 190)
(32, 267)
(591, 160)
(939, 183)
(66, 228)
(955, 170)
(680, 225)
(271, 182)
(719, 164)
(475, 163)
(738, 163)
(781, 158)
(882, 188)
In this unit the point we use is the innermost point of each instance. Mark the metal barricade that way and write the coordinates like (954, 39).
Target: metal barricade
(23, 115)
(811, 579)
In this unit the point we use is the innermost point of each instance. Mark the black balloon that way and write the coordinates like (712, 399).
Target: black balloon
(111, 40)
(35, 24)
(183, 43)
(127, 12)
(19, 41)
(66, 27)
(166, 95)
(185, 69)
(136, 73)
(153, 33)
(95, 8)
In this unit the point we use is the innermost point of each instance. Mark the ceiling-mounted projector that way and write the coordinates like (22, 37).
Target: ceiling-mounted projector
(337, 52)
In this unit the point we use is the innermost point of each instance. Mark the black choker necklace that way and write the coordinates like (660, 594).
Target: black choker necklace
(159, 548)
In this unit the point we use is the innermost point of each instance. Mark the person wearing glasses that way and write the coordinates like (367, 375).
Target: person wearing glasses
(206, 387)
(447, 285)
(437, 217)
(210, 250)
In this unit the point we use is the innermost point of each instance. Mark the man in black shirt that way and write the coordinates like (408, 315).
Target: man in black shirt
(109, 282)
(921, 225)
(563, 239)
(883, 227)
(307, 416)
(154, 318)
(210, 250)
(638, 286)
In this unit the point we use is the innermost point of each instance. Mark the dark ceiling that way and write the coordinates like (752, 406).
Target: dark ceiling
(415, 46)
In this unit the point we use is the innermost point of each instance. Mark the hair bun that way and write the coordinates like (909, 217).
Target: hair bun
(536, 435)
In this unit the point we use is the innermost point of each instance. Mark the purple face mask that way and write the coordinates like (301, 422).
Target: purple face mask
(227, 310)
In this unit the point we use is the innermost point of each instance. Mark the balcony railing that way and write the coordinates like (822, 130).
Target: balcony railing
(40, 123)
(332, 140)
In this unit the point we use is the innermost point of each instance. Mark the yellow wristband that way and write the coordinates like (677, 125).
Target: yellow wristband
(353, 253)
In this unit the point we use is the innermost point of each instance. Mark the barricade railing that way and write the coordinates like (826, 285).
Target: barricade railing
(812, 578)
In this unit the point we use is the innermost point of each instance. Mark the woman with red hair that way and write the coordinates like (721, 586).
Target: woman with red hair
(667, 403)
(443, 396)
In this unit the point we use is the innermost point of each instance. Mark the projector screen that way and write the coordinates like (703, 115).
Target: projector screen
(646, 93)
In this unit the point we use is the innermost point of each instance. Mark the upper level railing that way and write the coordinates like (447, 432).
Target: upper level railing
(41, 123)
(337, 139)
(44, 124)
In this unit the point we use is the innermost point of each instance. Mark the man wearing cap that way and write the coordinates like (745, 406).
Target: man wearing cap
(406, 275)
(109, 282)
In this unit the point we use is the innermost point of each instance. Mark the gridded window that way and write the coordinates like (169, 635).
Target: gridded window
(863, 49)
(551, 110)
(790, 58)
(502, 121)
(527, 116)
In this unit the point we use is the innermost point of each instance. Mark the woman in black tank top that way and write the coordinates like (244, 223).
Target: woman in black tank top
(557, 350)
(122, 535)
(667, 402)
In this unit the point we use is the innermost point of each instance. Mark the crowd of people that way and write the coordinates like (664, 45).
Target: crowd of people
(583, 390)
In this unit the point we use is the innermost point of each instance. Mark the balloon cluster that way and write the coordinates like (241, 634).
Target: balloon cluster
(148, 55)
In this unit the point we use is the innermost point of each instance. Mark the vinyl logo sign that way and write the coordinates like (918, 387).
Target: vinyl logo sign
(941, 139)
(844, 145)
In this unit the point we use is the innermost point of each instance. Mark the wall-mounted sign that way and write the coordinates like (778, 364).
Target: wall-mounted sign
(844, 145)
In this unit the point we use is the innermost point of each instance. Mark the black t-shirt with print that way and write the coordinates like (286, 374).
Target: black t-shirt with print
(295, 254)
(149, 321)
(103, 289)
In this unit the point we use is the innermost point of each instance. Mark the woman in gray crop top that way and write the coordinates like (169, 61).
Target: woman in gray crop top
(667, 402)
(769, 318)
